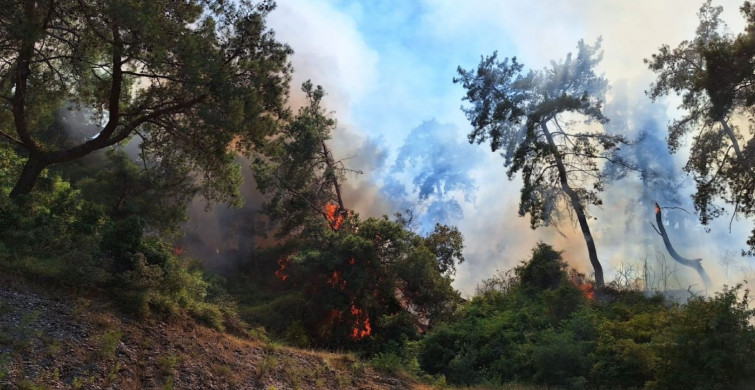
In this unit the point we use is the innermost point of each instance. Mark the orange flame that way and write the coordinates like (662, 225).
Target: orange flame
(352, 261)
(334, 216)
(336, 280)
(588, 289)
(362, 327)
(280, 274)
(178, 250)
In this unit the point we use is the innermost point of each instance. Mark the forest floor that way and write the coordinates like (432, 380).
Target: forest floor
(53, 341)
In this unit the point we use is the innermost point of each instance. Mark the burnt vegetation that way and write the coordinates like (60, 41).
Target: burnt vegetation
(116, 115)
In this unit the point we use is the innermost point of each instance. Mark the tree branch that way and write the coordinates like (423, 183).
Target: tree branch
(656, 229)
(696, 264)
(151, 76)
(735, 143)
(13, 139)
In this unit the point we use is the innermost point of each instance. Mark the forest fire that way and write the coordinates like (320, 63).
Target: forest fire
(588, 289)
(336, 281)
(334, 216)
(362, 327)
(280, 273)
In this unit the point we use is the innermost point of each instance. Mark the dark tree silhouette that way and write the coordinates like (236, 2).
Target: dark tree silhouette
(190, 77)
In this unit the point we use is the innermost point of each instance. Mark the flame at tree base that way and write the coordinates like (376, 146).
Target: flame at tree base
(588, 289)
(280, 273)
(362, 327)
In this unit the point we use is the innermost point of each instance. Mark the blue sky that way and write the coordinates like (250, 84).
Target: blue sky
(388, 65)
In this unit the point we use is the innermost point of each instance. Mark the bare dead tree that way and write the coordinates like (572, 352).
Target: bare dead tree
(626, 278)
(657, 279)
(501, 282)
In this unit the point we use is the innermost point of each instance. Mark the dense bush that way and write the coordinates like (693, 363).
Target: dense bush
(54, 235)
(372, 284)
(523, 334)
(541, 329)
(708, 344)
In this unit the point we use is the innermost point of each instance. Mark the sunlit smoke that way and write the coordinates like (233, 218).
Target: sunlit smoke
(437, 162)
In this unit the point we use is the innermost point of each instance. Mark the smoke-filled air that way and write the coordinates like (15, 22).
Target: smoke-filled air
(387, 75)
(405, 194)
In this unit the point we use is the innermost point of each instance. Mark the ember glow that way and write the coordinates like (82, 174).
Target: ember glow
(280, 273)
(588, 289)
(362, 327)
(337, 281)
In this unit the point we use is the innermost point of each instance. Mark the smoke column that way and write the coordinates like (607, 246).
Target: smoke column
(438, 163)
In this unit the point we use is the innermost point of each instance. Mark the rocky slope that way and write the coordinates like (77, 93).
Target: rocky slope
(60, 343)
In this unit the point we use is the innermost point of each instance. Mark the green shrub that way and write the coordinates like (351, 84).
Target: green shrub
(258, 333)
(296, 335)
(559, 359)
(98, 245)
(709, 344)
(388, 363)
(207, 314)
(107, 343)
(168, 364)
(53, 219)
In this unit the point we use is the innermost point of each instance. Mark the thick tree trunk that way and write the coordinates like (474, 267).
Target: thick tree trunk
(578, 209)
(32, 169)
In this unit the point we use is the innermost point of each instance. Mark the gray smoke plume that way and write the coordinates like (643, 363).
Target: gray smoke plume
(632, 195)
(660, 176)
(438, 163)
(224, 237)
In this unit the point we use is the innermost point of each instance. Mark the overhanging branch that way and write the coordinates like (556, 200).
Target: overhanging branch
(12, 139)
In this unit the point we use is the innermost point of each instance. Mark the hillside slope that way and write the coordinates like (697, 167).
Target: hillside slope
(61, 343)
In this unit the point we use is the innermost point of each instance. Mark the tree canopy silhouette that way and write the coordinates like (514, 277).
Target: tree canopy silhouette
(546, 124)
(189, 77)
(713, 73)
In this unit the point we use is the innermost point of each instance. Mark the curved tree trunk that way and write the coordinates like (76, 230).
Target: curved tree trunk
(692, 263)
(578, 209)
(737, 150)
(31, 171)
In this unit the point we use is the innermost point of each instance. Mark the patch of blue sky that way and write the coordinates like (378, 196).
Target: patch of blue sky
(417, 61)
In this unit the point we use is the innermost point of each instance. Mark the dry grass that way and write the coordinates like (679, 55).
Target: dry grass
(95, 347)
(484, 387)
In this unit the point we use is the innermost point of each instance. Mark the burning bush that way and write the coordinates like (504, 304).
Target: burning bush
(356, 272)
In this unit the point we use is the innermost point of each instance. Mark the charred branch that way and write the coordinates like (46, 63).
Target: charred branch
(695, 264)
